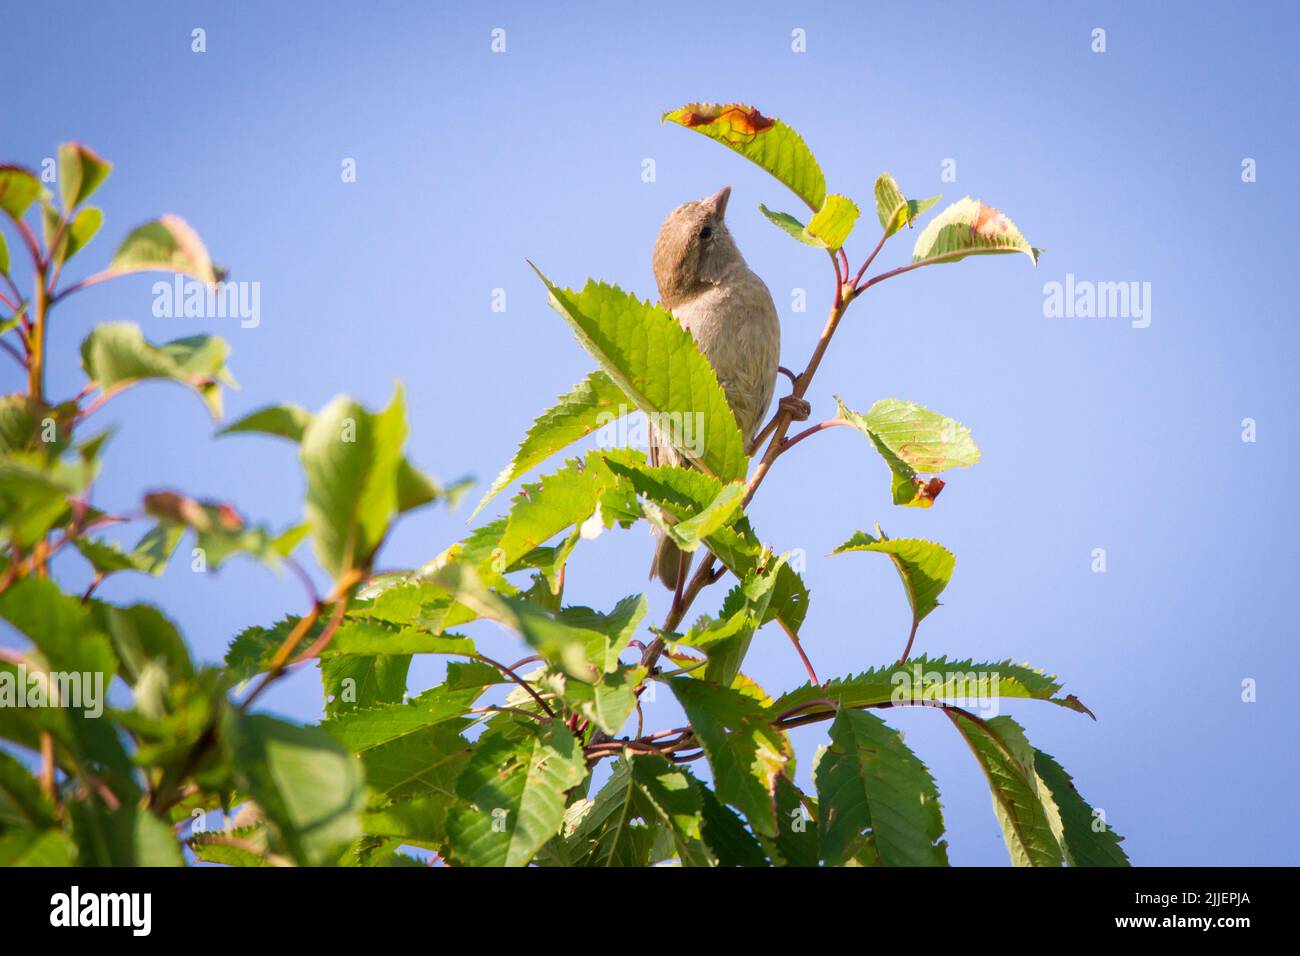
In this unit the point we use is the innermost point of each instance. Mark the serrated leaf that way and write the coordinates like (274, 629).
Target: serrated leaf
(925, 568)
(725, 834)
(81, 172)
(364, 730)
(967, 228)
(310, 788)
(1021, 801)
(894, 209)
(167, 244)
(912, 439)
(115, 355)
(609, 701)
(689, 533)
(742, 747)
(353, 682)
(592, 404)
(797, 841)
(1083, 833)
(660, 369)
(768, 142)
(931, 679)
(869, 780)
(515, 786)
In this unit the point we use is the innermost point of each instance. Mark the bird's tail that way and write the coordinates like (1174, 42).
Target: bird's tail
(670, 562)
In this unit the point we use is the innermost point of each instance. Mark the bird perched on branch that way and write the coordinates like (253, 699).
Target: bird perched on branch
(704, 281)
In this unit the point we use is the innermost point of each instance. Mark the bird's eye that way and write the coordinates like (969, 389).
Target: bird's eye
(706, 232)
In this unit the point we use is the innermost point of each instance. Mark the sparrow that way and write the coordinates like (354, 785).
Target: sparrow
(707, 286)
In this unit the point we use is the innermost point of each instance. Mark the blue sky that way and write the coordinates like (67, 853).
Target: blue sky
(1124, 165)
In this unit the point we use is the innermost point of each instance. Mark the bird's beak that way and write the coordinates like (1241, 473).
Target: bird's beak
(718, 201)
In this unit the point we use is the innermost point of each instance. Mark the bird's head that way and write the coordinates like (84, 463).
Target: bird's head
(694, 249)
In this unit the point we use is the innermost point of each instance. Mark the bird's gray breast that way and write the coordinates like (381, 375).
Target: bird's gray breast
(736, 327)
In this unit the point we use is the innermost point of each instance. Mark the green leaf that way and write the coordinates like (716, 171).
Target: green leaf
(310, 788)
(115, 356)
(894, 209)
(868, 779)
(797, 841)
(684, 492)
(788, 224)
(657, 364)
(32, 848)
(515, 785)
(419, 821)
(142, 635)
(351, 458)
(743, 749)
(10, 322)
(924, 679)
(19, 188)
(425, 763)
(352, 682)
(968, 228)
(59, 626)
(925, 568)
(373, 727)
(770, 143)
(690, 533)
(167, 244)
(593, 403)
(725, 833)
(22, 804)
(1022, 802)
(83, 228)
(831, 225)
(912, 439)
(81, 172)
(127, 836)
(1082, 832)
(580, 652)
(285, 421)
(608, 702)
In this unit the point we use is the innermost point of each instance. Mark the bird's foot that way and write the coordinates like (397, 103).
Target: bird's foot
(797, 408)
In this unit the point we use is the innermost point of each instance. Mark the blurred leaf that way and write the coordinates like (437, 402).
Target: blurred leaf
(894, 209)
(768, 142)
(81, 172)
(83, 228)
(19, 188)
(351, 458)
(22, 804)
(115, 355)
(36, 848)
(285, 421)
(126, 836)
(868, 779)
(968, 228)
(657, 364)
(310, 788)
(167, 244)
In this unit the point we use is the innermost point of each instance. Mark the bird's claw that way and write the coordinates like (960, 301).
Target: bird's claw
(797, 408)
